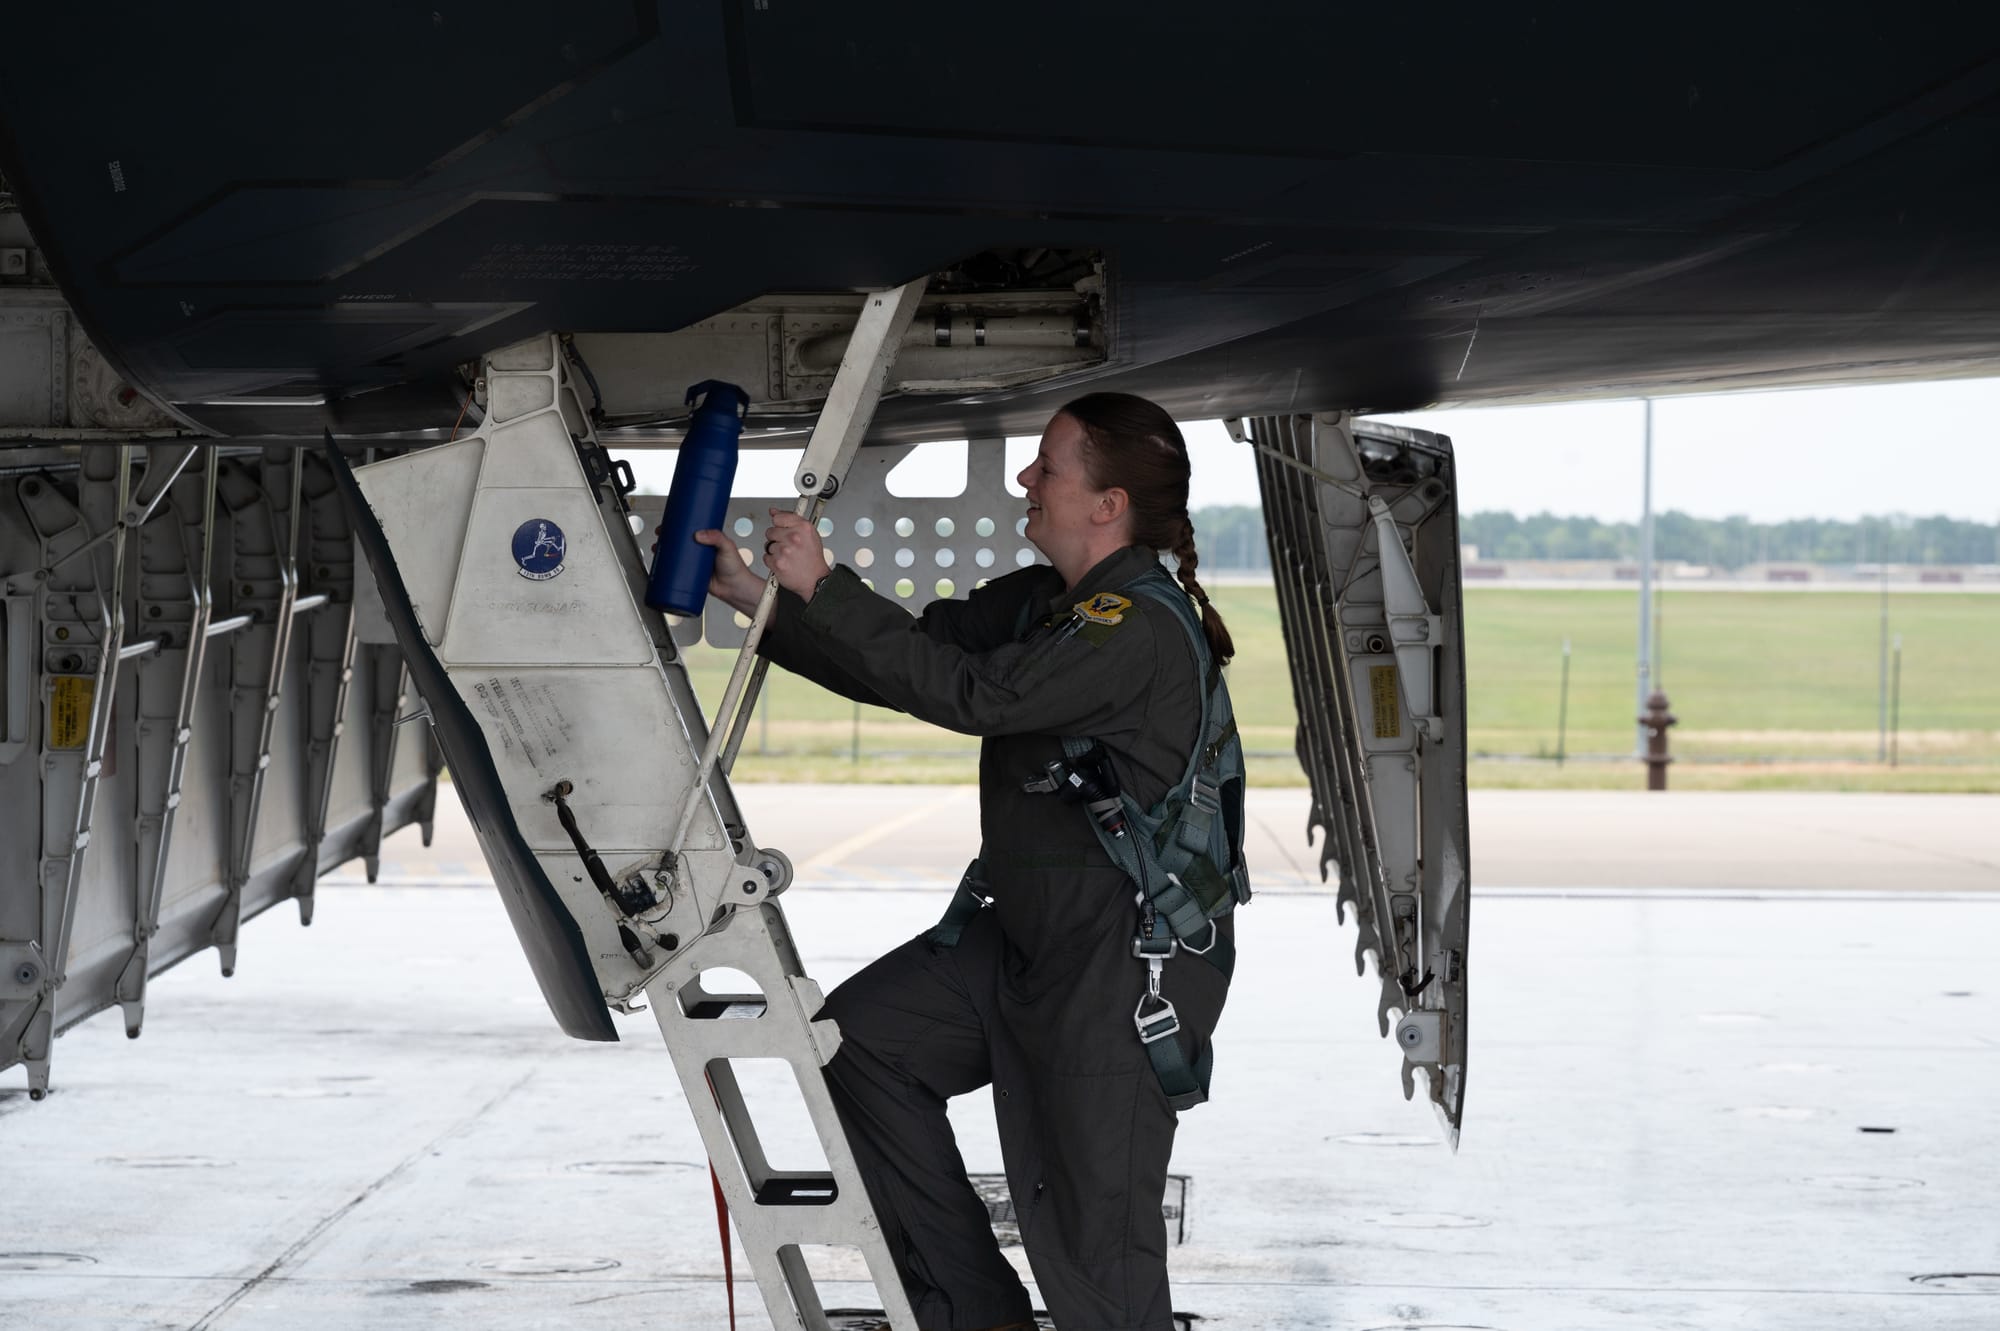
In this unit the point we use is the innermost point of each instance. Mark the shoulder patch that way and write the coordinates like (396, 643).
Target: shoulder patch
(1103, 608)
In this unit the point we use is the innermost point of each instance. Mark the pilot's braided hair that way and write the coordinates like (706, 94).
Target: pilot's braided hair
(1134, 445)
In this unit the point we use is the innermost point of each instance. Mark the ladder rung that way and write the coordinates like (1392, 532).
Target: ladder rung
(798, 1190)
(728, 1007)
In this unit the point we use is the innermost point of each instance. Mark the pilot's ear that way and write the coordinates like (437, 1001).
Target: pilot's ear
(1112, 505)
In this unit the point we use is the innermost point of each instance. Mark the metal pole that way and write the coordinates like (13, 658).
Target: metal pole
(1896, 704)
(1659, 617)
(1645, 588)
(1882, 669)
(1562, 709)
(836, 436)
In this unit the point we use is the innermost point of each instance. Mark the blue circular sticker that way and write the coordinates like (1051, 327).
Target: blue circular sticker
(538, 549)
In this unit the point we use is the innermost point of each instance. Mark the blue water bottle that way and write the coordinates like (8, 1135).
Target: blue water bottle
(699, 499)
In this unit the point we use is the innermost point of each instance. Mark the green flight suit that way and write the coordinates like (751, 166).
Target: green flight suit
(1036, 998)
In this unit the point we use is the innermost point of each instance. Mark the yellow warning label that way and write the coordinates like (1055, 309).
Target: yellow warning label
(1382, 696)
(69, 711)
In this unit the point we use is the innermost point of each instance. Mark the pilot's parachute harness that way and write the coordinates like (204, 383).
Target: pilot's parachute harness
(1184, 855)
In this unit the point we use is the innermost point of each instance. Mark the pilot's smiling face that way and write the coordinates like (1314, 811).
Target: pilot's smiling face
(1061, 498)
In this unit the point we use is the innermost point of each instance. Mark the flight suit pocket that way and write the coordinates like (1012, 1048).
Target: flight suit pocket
(1083, 1206)
(1095, 1143)
(1053, 917)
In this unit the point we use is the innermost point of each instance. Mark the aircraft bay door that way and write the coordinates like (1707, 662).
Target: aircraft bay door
(1362, 520)
(160, 642)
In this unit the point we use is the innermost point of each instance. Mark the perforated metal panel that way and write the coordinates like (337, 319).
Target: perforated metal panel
(915, 550)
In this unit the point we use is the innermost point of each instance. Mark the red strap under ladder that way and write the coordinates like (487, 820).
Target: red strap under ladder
(722, 1227)
(722, 1219)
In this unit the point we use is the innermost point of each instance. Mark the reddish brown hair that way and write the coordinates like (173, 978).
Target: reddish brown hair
(1134, 445)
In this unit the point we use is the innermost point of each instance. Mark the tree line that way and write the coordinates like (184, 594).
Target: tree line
(1232, 538)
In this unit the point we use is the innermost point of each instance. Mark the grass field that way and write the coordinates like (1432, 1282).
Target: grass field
(1773, 689)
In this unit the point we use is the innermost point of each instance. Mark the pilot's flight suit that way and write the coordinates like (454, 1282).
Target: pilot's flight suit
(1037, 996)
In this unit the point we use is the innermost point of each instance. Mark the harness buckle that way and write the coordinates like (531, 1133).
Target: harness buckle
(1158, 1026)
(1157, 949)
(1205, 948)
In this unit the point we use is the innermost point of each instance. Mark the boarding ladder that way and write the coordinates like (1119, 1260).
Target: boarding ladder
(563, 705)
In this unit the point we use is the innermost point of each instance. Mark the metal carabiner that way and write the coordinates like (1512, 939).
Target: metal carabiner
(1161, 1024)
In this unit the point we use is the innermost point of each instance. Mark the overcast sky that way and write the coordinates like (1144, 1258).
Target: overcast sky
(1919, 449)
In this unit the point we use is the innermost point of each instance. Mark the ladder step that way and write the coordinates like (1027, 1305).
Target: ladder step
(798, 1190)
(728, 1007)
(874, 1319)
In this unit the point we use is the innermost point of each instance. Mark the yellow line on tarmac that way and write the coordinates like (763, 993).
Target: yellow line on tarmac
(840, 850)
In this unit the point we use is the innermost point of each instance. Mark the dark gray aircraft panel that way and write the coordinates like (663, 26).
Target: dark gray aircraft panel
(1299, 207)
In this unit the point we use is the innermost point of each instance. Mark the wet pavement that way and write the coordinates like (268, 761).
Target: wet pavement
(1710, 1087)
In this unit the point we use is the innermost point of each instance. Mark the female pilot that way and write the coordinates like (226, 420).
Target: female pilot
(1036, 996)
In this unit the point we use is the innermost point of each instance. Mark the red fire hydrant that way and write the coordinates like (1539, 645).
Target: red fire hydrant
(1656, 718)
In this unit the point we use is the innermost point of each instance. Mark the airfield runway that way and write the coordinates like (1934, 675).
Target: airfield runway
(912, 837)
(1733, 1065)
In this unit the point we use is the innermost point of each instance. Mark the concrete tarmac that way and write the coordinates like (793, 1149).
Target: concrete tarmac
(1733, 1063)
(1616, 840)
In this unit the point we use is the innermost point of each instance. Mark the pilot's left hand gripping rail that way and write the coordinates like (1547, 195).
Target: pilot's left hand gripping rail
(511, 575)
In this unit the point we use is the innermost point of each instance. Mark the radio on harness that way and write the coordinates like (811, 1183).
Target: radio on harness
(1089, 780)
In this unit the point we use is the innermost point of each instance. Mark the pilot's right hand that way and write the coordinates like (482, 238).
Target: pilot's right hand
(733, 583)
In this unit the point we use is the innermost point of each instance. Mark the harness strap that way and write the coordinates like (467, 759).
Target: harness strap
(1165, 592)
(1185, 1085)
(966, 902)
(1214, 750)
(1156, 870)
(1173, 858)
(1171, 898)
